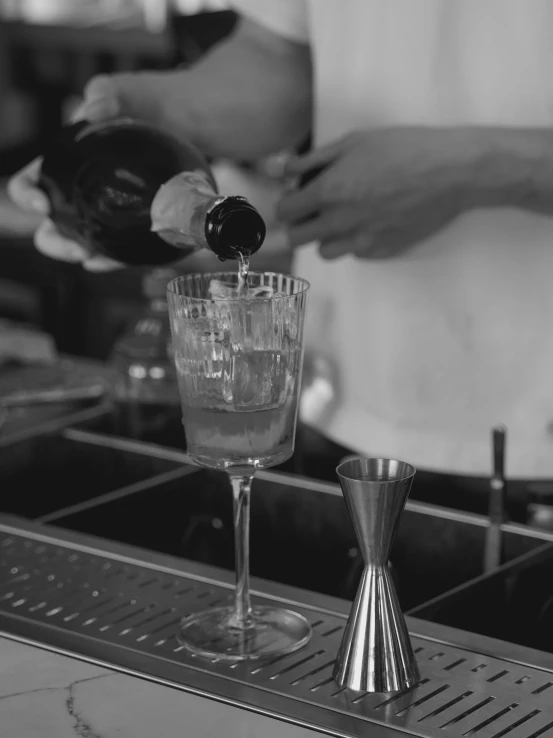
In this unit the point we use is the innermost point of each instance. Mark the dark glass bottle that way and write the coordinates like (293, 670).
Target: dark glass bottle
(133, 193)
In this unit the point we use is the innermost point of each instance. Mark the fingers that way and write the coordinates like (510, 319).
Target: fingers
(315, 159)
(300, 204)
(136, 95)
(335, 249)
(23, 190)
(100, 100)
(320, 157)
(365, 246)
(100, 264)
(100, 88)
(326, 226)
(51, 243)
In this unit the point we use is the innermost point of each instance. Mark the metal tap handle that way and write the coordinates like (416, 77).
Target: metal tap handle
(493, 552)
(498, 443)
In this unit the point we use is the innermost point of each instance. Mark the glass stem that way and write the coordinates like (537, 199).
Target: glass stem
(241, 488)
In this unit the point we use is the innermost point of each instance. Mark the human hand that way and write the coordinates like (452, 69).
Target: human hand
(23, 190)
(378, 193)
(103, 98)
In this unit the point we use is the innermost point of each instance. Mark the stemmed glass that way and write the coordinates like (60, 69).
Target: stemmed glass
(238, 354)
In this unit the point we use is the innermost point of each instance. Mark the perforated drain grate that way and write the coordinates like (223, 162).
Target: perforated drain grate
(127, 614)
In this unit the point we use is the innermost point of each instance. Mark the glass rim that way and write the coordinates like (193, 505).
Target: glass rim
(305, 285)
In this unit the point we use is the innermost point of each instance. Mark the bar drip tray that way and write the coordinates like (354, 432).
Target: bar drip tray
(110, 607)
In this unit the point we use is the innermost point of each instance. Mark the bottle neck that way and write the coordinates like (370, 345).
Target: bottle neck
(179, 210)
(189, 214)
(233, 227)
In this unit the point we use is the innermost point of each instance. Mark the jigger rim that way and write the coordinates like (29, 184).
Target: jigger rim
(358, 468)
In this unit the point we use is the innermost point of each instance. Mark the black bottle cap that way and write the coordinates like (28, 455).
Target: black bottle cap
(234, 227)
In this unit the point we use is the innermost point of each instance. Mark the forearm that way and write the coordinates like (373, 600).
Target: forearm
(510, 168)
(247, 98)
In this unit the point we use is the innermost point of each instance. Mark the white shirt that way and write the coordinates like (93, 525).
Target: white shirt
(431, 349)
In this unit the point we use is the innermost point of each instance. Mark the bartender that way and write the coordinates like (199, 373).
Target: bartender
(427, 214)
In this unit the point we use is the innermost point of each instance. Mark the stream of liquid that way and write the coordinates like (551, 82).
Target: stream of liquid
(243, 269)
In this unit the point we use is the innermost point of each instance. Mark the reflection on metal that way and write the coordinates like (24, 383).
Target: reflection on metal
(110, 608)
(423, 508)
(376, 653)
(89, 415)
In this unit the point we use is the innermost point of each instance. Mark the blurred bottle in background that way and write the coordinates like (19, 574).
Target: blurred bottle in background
(147, 405)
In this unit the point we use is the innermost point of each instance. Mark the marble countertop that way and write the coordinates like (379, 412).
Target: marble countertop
(48, 695)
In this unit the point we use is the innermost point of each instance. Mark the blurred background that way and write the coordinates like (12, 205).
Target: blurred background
(67, 333)
(49, 49)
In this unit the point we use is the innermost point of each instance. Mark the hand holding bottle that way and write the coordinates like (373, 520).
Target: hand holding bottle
(102, 100)
(105, 97)
(121, 187)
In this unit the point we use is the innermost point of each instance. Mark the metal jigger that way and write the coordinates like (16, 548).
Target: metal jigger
(376, 653)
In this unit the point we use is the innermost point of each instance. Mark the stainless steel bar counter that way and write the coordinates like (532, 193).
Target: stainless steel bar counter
(112, 609)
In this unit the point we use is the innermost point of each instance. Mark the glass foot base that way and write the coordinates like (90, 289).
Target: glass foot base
(271, 632)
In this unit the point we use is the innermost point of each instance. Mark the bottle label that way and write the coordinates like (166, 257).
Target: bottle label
(179, 209)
